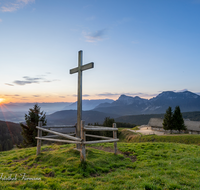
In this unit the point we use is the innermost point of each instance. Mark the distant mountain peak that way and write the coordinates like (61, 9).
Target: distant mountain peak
(128, 100)
(172, 94)
(123, 96)
(126, 105)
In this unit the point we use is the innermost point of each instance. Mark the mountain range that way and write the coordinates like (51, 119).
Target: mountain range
(99, 109)
(126, 105)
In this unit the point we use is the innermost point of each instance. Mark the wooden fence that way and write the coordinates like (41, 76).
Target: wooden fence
(75, 140)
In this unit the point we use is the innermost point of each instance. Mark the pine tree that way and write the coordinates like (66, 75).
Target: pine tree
(108, 122)
(29, 131)
(178, 122)
(168, 120)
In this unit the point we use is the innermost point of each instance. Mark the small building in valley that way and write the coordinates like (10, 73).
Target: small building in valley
(193, 127)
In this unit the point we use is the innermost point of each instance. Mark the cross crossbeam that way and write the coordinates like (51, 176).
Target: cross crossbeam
(84, 67)
(79, 70)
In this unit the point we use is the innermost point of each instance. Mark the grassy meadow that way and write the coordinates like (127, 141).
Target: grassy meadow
(128, 136)
(146, 165)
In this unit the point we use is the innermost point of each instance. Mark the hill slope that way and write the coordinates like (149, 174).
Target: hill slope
(157, 166)
(10, 134)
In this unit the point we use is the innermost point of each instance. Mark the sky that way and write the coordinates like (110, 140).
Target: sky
(139, 48)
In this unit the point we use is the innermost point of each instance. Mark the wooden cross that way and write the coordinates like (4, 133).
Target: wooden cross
(79, 70)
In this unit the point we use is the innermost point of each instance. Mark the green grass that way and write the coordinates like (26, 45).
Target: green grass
(129, 136)
(158, 166)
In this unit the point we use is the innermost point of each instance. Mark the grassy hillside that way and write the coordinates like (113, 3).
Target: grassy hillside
(149, 166)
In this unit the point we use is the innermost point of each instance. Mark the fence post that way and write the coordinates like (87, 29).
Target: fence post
(114, 137)
(38, 140)
(76, 132)
(82, 152)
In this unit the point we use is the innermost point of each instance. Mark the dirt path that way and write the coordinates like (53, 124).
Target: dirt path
(147, 131)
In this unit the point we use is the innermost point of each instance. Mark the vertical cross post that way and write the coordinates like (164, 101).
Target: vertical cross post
(79, 70)
(114, 137)
(38, 140)
(79, 102)
(82, 152)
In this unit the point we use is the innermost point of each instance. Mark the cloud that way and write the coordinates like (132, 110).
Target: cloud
(11, 6)
(26, 1)
(28, 80)
(36, 96)
(94, 36)
(12, 95)
(145, 95)
(84, 95)
(31, 80)
(183, 90)
(40, 75)
(47, 81)
(108, 94)
(9, 84)
(61, 96)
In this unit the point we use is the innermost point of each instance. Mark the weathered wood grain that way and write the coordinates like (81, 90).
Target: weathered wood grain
(97, 136)
(60, 134)
(38, 140)
(115, 137)
(101, 141)
(79, 70)
(101, 129)
(58, 140)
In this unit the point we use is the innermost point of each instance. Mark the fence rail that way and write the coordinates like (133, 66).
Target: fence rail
(59, 126)
(97, 136)
(59, 140)
(60, 134)
(101, 129)
(75, 140)
(49, 136)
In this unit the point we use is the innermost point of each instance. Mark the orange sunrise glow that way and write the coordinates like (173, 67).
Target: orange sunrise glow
(1, 100)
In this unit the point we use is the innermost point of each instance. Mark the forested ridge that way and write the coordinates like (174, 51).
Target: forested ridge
(10, 134)
(144, 119)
